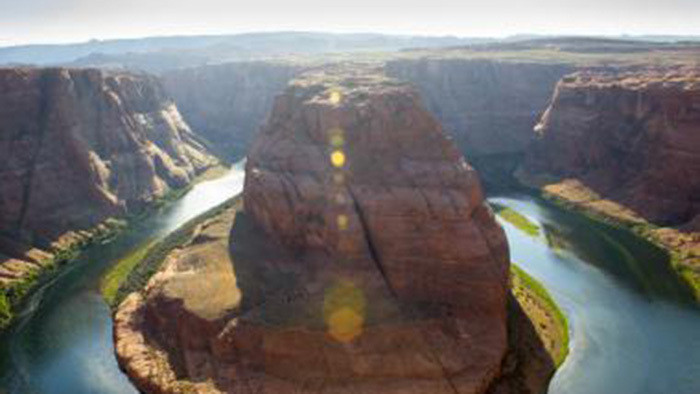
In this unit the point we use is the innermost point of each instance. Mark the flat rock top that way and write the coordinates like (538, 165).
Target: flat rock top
(346, 86)
(686, 77)
(201, 273)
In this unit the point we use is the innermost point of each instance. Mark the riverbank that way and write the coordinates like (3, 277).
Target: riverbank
(682, 244)
(517, 219)
(31, 275)
(550, 322)
(538, 338)
(132, 273)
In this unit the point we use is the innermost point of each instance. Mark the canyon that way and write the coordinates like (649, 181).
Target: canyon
(227, 103)
(488, 107)
(81, 148)
(490, 103)
(364, 256)
(364, 259)
(625, 144)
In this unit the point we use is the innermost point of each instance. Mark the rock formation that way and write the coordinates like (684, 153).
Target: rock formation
(626, 145)
(632, 137)
(78, 147)
(228, 103)
(366, 258)
(488, 107)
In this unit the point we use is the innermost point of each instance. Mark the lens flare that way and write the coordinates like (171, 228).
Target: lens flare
(335, 97)
(344, 311)
(342, 221)
(344, 325)
(338, 158)
(336, 137)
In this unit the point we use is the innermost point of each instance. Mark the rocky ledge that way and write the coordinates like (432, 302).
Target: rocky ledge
(626, 145)
(365, 261)
(78, 147)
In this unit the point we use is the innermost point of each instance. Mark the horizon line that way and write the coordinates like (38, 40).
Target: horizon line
(347, 33)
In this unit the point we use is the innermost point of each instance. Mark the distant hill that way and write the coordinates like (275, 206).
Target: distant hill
(158, 52)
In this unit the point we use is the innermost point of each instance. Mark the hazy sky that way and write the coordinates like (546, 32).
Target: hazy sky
(33, 21)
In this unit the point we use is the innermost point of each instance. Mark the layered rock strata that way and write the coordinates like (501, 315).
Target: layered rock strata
(633, 137)
(366, 259)
(78, 147)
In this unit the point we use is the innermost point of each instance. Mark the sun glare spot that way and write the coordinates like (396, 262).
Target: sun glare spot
(342, 221)
(344, 311)
(338, 158)
(345, 325)
(336, 137)
(335, 97)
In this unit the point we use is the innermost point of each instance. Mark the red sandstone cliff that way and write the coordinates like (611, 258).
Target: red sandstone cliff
(631, 137)
(79, 146)
(626, 145)
(379, 164)
(366, 259)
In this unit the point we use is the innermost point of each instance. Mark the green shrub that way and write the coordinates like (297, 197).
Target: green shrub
(5, 310)
(518, 220)
(522, 278)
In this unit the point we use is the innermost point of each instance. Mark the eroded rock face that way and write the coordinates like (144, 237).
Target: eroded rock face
(353, 175)
(366, 258)
(78, 146)
(630, 137)
(366, 172)
(228, 103)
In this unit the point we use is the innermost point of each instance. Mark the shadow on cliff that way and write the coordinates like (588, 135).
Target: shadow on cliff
(527, 366)
(266, 282)
(261, 272)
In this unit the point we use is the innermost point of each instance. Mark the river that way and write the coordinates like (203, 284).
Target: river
(634, 328)
(62, 341)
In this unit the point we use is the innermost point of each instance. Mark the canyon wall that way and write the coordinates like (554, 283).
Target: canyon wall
(79, 146)
(630, 136)
(366, 260)
(489, 107)
(379, 163)
(228, 103)
(625, 145)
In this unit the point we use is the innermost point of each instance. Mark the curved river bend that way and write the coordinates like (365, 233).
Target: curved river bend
(62, 342)
(633, 329)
